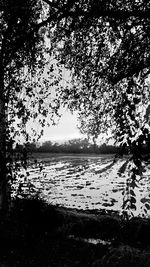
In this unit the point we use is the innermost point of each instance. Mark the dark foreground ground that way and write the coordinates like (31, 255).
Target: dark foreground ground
(39, 235)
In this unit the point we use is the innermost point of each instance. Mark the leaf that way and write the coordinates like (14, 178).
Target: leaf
(147, 206)
(133, 200)
(133, 207)
(132, 192)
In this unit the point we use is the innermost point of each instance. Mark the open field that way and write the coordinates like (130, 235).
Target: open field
(82, 181)
(84, 229)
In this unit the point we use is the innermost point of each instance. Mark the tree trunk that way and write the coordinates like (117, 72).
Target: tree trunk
(3, 170)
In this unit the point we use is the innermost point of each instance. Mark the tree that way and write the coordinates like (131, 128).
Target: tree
(15, 22)
(26, 79)
(105, 45)
(24, 55)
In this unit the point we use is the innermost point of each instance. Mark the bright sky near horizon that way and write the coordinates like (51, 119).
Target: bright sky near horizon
(67, 129)
(64, 130)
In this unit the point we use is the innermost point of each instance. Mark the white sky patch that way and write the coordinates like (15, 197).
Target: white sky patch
(64, 130)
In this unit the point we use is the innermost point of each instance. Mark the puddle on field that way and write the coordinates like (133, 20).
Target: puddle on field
(82, 183)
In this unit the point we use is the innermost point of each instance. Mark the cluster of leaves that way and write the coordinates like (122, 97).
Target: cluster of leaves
(20, 183)
(27, 80)
(105, 45)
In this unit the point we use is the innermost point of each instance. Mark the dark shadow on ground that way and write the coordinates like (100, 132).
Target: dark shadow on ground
(40, 235)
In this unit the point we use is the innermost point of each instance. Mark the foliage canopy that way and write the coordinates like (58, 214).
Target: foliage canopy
(105, 46)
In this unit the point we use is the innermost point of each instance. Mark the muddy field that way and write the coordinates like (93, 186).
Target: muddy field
(81, 181)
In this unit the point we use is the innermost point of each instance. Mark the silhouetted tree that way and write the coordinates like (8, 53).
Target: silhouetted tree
(105, 44)
(24, 81)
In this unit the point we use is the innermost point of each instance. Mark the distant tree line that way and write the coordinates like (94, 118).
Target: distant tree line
(71, 146)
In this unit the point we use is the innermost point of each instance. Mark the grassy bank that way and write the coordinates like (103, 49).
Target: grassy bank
(37, 234)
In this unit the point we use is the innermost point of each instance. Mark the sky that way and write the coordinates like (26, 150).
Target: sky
(64, 130)
(67, 129)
